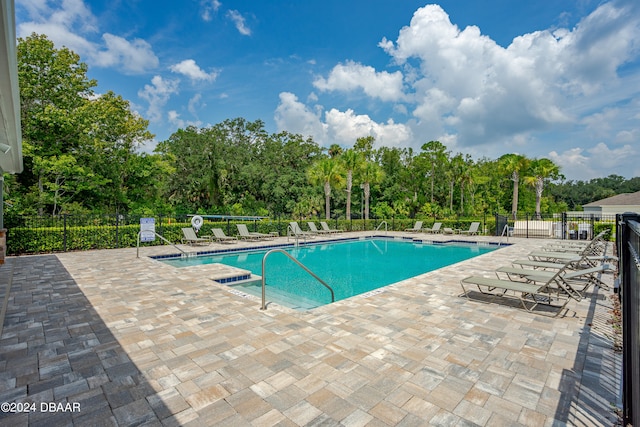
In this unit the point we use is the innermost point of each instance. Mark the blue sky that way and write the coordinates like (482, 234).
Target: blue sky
(557, 79)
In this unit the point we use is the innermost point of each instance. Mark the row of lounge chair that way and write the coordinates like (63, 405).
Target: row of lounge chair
(553, 276)
(437, 228)
(295, 230)
(217, 234)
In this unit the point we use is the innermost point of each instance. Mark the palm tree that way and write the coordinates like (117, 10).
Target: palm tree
(326, 172)
(352, 162)
(514, 165)
(540, 171)
(372, 173)
(334, 150)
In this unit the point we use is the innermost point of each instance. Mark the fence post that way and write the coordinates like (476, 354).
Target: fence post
(117, 229)
(64, 233)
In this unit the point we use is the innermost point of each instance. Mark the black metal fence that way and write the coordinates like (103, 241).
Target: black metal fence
(628, 245)
(555, 226)
(62, 233)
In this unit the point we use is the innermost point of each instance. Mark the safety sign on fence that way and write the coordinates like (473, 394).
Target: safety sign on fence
(147, 229)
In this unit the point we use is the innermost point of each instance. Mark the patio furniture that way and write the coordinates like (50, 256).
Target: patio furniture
(244, 233)
(219, 236)
(473, 229)
(314, 229)
(325, 227)
(190, 237)
(416, 227)
(435, 229)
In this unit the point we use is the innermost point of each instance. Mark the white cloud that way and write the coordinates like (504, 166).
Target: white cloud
(208, 8)
(195, 103)
(157, 94)
(189, 68)
(174, 118)
(73, 25)
(239, 22)
(338, 127)
(293, 116)
(136, 56)
(597, 161)
(351, 76)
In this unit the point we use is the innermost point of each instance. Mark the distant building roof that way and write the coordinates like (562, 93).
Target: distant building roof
(626, 199)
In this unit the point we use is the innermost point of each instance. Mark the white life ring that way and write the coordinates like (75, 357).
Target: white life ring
(196, 222)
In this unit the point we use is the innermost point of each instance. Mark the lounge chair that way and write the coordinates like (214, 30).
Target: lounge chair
(314, 229)
(448, 230)
(219, 236)
(529, 294)
(244, 233)
(565, 279)
(325, 227)
(435, 229)
(473, 229)
(295, 230)
(190, 237)
(416, 227)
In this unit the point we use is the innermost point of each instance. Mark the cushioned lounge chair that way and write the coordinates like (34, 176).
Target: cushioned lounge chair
(325, 227)
(416, 227)
(314, 229)
(244, 233)
(219, 236)
(190, 237)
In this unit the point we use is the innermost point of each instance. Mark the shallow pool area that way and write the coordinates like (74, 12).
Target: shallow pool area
(350, 267)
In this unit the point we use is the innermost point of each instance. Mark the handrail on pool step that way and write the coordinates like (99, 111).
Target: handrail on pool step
(264, 280)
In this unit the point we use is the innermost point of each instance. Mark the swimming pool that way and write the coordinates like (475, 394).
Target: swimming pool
(349, 267)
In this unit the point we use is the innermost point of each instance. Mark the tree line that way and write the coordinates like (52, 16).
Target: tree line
(82, 154)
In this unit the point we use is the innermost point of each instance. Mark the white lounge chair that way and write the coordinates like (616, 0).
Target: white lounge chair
(190, 237)
(473, 229)
(244, 233)
(435, 229)
(219, 236)
(325, 227)
(295, 230)
(416, 227)
(314, 229)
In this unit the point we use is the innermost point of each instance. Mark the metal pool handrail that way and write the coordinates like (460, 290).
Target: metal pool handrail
(385, 226)
(148, 231)
(264, 280)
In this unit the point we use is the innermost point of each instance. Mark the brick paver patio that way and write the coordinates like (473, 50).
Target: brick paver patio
(104, 338)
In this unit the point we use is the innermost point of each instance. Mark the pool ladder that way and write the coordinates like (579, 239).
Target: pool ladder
(264, 279)
(385, 227)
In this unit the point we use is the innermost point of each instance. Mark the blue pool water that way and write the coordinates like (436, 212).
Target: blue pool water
(350, 268)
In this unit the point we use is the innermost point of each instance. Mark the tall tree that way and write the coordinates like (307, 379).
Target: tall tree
(352, 162)
(513, 165)
(328, 173)
(541, 170)
(435, 155)
(53, 86)
(371, 174)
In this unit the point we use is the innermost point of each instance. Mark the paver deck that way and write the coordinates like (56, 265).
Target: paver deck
(131, 341)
